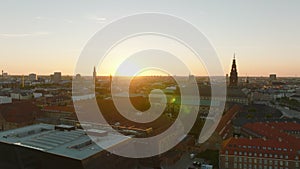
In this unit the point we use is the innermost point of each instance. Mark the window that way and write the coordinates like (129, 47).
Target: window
(234, 165)
(281, 162)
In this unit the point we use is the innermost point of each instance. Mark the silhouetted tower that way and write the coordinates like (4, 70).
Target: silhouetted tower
(23, 81)
(233, 74)
(110, 82)
(109, 87)
(110, 79)
(94, 74)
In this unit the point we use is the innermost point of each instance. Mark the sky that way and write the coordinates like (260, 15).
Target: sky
(47, 36)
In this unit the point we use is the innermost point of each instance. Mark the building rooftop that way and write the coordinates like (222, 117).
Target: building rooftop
(258, 147)
(69, 109)
(71, 143)
(225, 122)
(18, 112)
(286, 126)
(271, 132)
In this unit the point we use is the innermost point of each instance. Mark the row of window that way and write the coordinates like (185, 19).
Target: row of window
(260, 161)
(250, 166)
(266, 155)
(260, 147)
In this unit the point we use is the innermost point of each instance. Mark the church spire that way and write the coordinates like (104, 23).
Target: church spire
(94, 74)
(233, 74)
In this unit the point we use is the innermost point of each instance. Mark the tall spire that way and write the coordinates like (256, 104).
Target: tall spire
(233, 74)
(94, 74)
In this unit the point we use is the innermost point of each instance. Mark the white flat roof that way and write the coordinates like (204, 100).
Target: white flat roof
(73, 144)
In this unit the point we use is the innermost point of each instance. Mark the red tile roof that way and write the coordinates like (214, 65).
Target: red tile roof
(19, 112)
(269, 131)
(59, 109)
(286, 126)
(285, 147)
(255, 146)
(226, 119)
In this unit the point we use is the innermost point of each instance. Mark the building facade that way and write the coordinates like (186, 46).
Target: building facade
(264, 145)
(257, 153)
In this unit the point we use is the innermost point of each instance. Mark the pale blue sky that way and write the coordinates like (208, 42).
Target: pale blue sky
(46, 36)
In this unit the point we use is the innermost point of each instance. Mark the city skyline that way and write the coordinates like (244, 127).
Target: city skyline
(263, 34)
(150, 84)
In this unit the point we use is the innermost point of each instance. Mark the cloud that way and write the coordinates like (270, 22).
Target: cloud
(97, 19)
(39, 17)
(42, 19)
(19, 35)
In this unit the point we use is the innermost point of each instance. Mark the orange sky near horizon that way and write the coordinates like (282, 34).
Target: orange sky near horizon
(264, 34)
